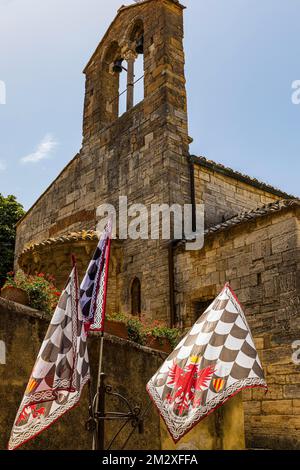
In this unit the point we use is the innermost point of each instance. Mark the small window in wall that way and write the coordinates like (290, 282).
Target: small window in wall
(136, 297)
(200, 306)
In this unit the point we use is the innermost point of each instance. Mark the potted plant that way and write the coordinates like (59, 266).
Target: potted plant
(115, 324)
(155, 335)
(38, 290)
(162, 338)
(136, 331)
(13, 290)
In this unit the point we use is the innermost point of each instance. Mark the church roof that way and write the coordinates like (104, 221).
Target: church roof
(71, 237)
(246, 216)
(219, 168)
(84, 235)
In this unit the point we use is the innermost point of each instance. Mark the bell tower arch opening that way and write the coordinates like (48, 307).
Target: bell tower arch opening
(131, 68)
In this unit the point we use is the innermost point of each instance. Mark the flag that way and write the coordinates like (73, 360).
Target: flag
(60, 372)
(94, 285)
(213, 362)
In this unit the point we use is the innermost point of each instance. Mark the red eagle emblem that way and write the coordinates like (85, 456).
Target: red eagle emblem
(30, 410)
(186, 384)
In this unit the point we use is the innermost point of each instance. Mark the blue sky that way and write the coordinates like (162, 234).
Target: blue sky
(241, 59)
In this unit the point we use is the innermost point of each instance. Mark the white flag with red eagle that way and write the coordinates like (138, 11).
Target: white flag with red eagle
(60, 372)
(213, 362)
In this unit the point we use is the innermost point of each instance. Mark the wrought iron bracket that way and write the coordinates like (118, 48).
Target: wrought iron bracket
(132, 415)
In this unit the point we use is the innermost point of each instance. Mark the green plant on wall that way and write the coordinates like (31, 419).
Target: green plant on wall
(141, 329)
(163, 332)
(10, 213)
(136, 331)
(42, 293)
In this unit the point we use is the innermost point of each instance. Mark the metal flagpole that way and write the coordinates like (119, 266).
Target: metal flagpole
(97, 413)
(98, 436)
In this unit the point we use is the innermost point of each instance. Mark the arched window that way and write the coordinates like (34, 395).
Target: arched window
(136, 297)
(137, 37)
(130, 68)
(111, 82)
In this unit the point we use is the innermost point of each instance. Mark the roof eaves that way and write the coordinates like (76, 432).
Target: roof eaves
(219, 168)
(264, 211)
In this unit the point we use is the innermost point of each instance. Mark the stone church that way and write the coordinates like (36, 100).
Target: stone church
(252, 231)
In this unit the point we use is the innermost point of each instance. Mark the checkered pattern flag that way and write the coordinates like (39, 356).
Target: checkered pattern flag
(214, 361)
(60, 372)
(94, 285)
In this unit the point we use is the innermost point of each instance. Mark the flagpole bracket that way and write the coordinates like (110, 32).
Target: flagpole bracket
(132, 415)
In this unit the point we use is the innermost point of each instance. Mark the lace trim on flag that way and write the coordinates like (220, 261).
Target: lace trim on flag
(21, 436)
(178, 425)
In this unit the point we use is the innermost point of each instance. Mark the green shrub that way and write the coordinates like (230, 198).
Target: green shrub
(42, 293)
(118, 317)
(140, 329)
(163, 332)
(136, 331)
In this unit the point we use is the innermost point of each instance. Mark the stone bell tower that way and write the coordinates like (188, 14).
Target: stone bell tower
(141, 154)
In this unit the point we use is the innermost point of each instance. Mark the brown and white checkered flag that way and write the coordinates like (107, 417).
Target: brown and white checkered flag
(60, 372)
(94, 284)
(214, 361)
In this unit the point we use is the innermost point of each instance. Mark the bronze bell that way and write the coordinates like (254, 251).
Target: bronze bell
(140, 45)
(118, 67)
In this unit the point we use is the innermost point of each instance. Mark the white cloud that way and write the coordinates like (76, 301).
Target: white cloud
(5, 2)
(2, 165)
(43, 150)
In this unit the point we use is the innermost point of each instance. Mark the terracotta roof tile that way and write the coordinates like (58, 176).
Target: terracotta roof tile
(70, 237)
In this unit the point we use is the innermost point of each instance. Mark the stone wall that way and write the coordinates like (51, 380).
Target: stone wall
(261, 260)
(224, 194)
(127, 365)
